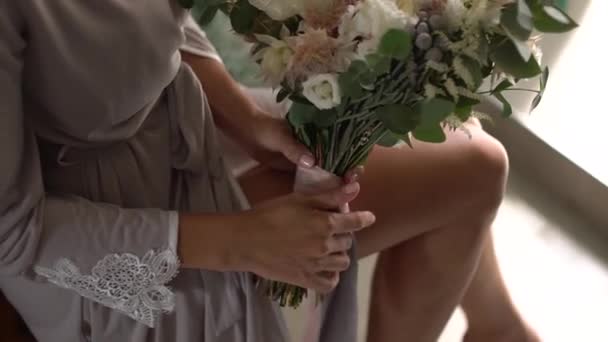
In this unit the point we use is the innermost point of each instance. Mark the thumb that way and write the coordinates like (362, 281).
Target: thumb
(295, 151)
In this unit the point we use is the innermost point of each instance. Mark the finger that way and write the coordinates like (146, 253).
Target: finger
(294, 151)
(340, 243)
(351, 222)
(354, 175)
(336, 262)
(325, 282)
(336, 198)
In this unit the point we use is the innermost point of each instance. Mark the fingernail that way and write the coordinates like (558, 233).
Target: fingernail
(351, 188)
(307, 160)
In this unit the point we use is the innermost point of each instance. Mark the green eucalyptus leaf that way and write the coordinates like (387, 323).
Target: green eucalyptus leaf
(507, 57)
(523, 48)
(301, 114)
(434, 111)
(379, 64)
(396, 44)
(507, 109)
(502, 86)
(467, 101)
(474, 69)
(389, 139)
(431, 134)
(544, 79)
(463, 112)
(399, 119)
(350, 81)
(543, 86)
(207, 15)
(536, 101)
(517, 19)
(552, 19)
(242, 16)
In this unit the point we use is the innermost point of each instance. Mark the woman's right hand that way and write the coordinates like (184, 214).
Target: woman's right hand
(301, 239)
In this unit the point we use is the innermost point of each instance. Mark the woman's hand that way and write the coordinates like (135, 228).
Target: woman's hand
(300, 239)
(270, 141)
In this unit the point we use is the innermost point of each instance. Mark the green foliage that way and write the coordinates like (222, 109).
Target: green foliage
(434, 111)
(544, 79)
(396, 44)
(389, 139)
(399, 119)
(378, 63)
(432, 114)
(517, 20)
(431, 134)
(474, 69)
(305, 114)
(188, 4)
(301, 114)
(507, 57)
(243, 16)
(350, 81)
(283, 94)
(502, 86)
(507, 109)
(552, 19)
(464, 108)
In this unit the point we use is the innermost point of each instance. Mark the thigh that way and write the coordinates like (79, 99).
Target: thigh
(410, 190)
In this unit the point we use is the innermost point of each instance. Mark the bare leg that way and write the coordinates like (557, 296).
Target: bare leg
(434, 206)
(491, 314)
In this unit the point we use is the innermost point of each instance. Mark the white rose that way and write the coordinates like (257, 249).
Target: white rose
(279, 9)
(370, 20)
(323, 91)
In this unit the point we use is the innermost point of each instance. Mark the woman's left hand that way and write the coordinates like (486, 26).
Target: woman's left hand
(270, 141)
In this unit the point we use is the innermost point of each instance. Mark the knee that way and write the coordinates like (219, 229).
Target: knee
(488, 165)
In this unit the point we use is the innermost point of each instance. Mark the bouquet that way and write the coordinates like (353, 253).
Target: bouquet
(367, 72)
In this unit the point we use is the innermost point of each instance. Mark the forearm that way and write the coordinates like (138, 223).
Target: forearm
(232, 107)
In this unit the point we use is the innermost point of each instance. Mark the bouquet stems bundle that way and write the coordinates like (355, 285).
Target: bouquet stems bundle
(367, 72)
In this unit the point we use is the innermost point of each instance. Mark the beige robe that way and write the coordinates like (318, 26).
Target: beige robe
(104, 134)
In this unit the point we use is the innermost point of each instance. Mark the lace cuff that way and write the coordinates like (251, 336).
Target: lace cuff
(123, 282)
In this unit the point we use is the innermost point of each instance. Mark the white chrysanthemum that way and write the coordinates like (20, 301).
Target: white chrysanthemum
(369, 20)
(274, 59)
(323, 91)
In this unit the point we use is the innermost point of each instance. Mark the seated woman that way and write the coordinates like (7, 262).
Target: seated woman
(116, 205)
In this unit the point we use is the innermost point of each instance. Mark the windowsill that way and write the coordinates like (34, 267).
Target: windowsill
(573, 117)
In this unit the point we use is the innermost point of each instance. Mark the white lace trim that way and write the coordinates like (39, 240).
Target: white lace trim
(123, 282)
